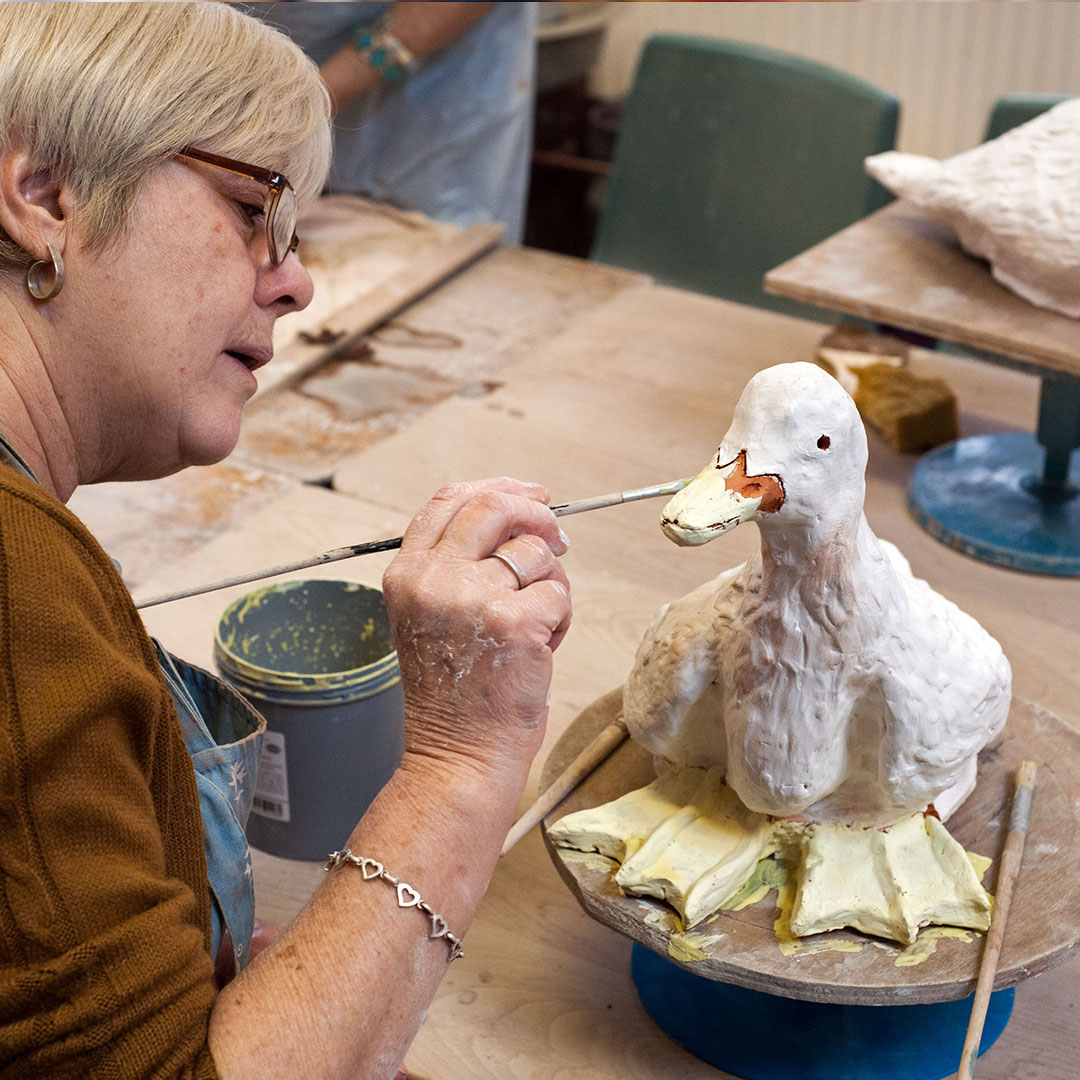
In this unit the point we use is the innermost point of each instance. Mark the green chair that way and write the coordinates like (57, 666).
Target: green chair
(732, 158)
(1011, 110)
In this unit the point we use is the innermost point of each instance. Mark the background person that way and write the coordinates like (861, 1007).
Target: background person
(449, 134)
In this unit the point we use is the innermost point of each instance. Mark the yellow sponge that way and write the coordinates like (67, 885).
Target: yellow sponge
(911, 412)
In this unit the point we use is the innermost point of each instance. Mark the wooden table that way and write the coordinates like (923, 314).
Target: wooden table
(899, 267)
(637, 390)
(453, 341)
(1008, 499)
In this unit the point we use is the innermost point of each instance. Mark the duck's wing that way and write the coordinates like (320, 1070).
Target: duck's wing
(673, 697)
(947, 687)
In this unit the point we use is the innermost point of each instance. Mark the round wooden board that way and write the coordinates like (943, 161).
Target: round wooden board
(1044, 921)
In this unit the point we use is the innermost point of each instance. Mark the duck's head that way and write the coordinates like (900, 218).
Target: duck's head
(795, 454)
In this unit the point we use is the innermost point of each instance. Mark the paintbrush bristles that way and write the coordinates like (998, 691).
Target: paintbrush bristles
(1011, 858)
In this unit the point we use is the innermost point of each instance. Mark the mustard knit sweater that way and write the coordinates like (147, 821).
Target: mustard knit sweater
(105, 969)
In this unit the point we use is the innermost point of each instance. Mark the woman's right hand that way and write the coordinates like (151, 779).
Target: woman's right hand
(475, 649)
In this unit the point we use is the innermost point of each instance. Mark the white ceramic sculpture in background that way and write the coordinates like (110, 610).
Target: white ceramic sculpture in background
(818, 681)
(1015, 201)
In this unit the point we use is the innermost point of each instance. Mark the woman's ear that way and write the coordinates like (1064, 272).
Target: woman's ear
(31, 204)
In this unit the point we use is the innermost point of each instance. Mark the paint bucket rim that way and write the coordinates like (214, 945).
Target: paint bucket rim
(297, 687)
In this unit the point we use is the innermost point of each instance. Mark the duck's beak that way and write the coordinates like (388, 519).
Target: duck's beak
(720, 497)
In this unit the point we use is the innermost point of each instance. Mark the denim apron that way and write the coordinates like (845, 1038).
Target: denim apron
(454, 140)
(223, 735)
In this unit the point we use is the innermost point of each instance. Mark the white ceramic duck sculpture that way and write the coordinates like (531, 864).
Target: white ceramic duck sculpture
(819, 676)
(809, 703)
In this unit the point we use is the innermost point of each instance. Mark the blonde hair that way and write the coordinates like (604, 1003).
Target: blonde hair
(98, 94)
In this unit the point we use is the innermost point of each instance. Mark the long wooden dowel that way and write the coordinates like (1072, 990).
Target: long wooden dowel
(1011, 858)
(602, 747)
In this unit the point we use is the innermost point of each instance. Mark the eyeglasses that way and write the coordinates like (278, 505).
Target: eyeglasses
(280, 207)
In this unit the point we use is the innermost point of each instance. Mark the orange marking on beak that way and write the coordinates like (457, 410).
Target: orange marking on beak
(765, 486)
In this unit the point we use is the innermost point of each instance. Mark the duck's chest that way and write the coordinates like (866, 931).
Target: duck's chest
(792, 658)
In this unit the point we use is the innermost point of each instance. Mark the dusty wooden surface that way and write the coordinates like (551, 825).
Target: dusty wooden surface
(303, 521)
(453, 342)
(1044, 923)
(897, 266)
(368, 262)
(640, 391)
(635, 391)
(153, 524)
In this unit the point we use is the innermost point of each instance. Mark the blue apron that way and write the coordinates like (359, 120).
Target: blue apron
(454, 140)
(223, 735)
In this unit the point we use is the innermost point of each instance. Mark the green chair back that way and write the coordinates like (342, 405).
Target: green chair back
(732, 158)
(1010, 110)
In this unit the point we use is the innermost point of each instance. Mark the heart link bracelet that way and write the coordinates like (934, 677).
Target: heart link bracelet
(407, 896)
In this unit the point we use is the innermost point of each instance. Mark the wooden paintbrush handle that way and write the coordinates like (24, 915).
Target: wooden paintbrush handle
(597, 751)
(1011, 857)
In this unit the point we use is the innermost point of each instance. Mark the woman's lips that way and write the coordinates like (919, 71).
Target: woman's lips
(252, 359)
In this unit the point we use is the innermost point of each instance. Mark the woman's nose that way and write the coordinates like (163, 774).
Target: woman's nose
(285, 287)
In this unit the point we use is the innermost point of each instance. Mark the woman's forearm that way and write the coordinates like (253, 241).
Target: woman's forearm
(422, 27)
(342, 991)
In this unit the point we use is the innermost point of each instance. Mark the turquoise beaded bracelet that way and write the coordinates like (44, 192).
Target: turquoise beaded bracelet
(392, 61)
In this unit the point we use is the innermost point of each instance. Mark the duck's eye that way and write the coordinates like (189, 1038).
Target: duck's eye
(823, 442)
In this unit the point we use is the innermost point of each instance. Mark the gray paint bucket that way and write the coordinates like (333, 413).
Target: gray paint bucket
(317, 659)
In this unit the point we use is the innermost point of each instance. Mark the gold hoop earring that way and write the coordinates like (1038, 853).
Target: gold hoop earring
(35, 276)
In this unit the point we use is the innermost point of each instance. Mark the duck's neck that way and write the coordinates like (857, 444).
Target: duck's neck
(811, 559)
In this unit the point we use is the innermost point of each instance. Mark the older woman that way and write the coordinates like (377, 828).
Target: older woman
(146, 248)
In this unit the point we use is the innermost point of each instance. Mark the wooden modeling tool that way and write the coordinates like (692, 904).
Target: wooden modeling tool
(1011, 857)
(605, 744)
(352, 550)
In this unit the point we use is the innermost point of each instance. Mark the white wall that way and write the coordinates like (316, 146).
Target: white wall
(946, 62)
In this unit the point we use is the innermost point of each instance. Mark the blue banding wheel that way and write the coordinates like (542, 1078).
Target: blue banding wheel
(984, 496)
(759, 1036)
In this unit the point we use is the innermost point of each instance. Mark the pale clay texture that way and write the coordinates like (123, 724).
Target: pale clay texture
(820, 677)
(1014, 201)
(688, 840)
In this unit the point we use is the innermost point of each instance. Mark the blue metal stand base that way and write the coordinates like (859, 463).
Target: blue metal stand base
(758, 1036)
(988, 497)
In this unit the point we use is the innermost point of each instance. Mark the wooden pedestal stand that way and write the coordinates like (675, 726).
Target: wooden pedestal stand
(740, 948)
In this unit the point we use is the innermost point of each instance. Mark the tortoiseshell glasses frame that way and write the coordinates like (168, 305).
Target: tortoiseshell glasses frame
(280, 208)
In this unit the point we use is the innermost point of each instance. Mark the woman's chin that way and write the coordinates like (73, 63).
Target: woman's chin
(208, 447)
(211, 454)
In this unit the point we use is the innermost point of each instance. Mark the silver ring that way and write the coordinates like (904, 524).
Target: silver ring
(507, 561)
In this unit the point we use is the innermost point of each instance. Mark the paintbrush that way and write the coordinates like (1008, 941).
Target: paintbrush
(372, 546)
(1011, 857)
(599, 750)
